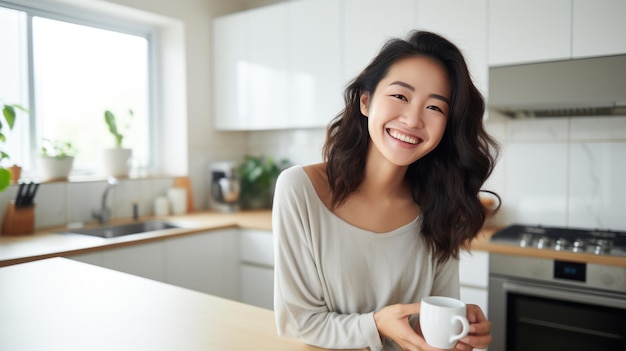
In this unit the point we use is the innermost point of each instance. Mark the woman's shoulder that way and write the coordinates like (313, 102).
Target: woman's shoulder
(310, 178)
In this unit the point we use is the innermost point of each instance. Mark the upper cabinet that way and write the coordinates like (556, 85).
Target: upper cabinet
(466, 27)
(286, 65)
(599, 28)
(529, 31)
(277, 66)
(536, 30)
(367, 25)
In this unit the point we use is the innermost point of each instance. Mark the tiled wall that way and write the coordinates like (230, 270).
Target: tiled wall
(61, 203)
(562, 171)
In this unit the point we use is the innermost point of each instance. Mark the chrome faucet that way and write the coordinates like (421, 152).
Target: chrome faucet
(104, 214)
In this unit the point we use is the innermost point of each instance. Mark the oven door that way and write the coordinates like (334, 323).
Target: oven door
(542, 316)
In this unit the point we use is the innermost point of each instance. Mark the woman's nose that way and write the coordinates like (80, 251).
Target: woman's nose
(413, 118)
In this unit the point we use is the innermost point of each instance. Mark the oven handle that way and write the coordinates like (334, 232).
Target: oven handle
(589, 299)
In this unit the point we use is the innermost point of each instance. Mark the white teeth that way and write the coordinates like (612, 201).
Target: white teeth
(405, 138)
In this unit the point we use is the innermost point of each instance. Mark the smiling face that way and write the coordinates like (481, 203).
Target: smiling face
(407, 112)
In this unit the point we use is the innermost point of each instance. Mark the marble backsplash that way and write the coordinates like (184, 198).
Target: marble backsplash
(562, 171)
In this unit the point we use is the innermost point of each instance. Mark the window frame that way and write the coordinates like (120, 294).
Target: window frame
(91, 17)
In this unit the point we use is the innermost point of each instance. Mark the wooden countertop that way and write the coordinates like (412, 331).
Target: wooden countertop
(60, 304)
(48, 243)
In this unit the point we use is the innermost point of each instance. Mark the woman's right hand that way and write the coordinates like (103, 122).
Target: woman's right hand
(393, 323)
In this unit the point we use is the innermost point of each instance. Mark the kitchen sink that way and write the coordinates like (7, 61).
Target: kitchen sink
(113, 231)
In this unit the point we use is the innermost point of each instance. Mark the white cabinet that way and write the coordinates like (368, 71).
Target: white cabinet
(277, 66)
(144, 260)
(229, 63)
(315, 76)
(257, 286)
(205, 262)
(368, 24)
(465, 26)
(474, 278)
(598, 28)
(529, 31)
(257, 268)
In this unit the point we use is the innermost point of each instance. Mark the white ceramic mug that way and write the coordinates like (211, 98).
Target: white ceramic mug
(443, 321)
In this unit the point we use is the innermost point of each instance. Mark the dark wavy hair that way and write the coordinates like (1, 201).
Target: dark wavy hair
(446, 182)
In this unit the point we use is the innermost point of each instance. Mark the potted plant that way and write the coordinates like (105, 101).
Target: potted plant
(117, 159)
(9, 174)
(258, 178)
(56, 159)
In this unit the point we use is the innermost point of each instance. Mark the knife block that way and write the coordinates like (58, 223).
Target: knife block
(18, 220)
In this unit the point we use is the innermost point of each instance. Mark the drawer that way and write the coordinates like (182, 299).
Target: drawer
(257, 247)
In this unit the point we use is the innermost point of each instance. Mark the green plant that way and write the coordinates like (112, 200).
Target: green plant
(9, 113)
(57, 149)
(258, 177)
(114, 128)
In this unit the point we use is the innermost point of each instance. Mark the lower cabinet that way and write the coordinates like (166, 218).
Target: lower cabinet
(256, 268)
(144, 260)
(256, 285)
(474, 278)
(205, 262)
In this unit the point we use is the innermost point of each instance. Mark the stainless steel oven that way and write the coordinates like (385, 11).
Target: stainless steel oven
(549, 304)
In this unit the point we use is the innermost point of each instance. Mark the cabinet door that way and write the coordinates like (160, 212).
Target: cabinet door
(465, 26)
(266, 72)
(144, 260)
(599, 28)
(313, 41)
(474, 269)
(257, 247)
(229, 53)
(205, 262)
(94, 258)
(257, 286)
(529, 31)
(368, 24)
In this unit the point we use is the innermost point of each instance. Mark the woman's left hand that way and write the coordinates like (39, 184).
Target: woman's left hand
(479, 331)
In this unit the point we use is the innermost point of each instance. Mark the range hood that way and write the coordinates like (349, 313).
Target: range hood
(579, 87)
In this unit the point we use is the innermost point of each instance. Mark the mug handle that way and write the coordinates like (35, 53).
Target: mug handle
(465, 329)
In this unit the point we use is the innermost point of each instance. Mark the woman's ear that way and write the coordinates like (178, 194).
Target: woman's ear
(364, 103)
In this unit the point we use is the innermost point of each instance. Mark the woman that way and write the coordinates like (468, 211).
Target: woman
(362, 237)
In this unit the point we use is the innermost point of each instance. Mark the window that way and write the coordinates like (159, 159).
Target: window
(77, 71)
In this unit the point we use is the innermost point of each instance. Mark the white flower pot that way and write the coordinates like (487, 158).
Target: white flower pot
(53, 168)
(116, 162)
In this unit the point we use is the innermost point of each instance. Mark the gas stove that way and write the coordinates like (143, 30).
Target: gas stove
(597, 242)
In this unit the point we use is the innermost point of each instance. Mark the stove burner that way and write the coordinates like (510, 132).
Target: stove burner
(578, 245)
(602, 246)
(599, 242)
(561, 244)
(543, 242)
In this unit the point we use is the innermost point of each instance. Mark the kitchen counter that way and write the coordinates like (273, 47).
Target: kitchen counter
(48, 243)
(60, 304)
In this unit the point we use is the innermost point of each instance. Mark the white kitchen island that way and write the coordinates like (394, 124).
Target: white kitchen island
(60, 304)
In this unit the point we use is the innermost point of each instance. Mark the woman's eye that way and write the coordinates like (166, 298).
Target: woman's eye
(399, 96)
(435, 108)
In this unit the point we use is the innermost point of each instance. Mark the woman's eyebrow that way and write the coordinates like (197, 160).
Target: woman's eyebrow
(412, 88)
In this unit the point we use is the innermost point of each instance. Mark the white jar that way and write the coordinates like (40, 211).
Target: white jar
(161, 206)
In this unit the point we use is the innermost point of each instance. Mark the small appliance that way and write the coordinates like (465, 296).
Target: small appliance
(224, 186)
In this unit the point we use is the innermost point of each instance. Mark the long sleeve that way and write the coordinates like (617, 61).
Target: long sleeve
(299, 302)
